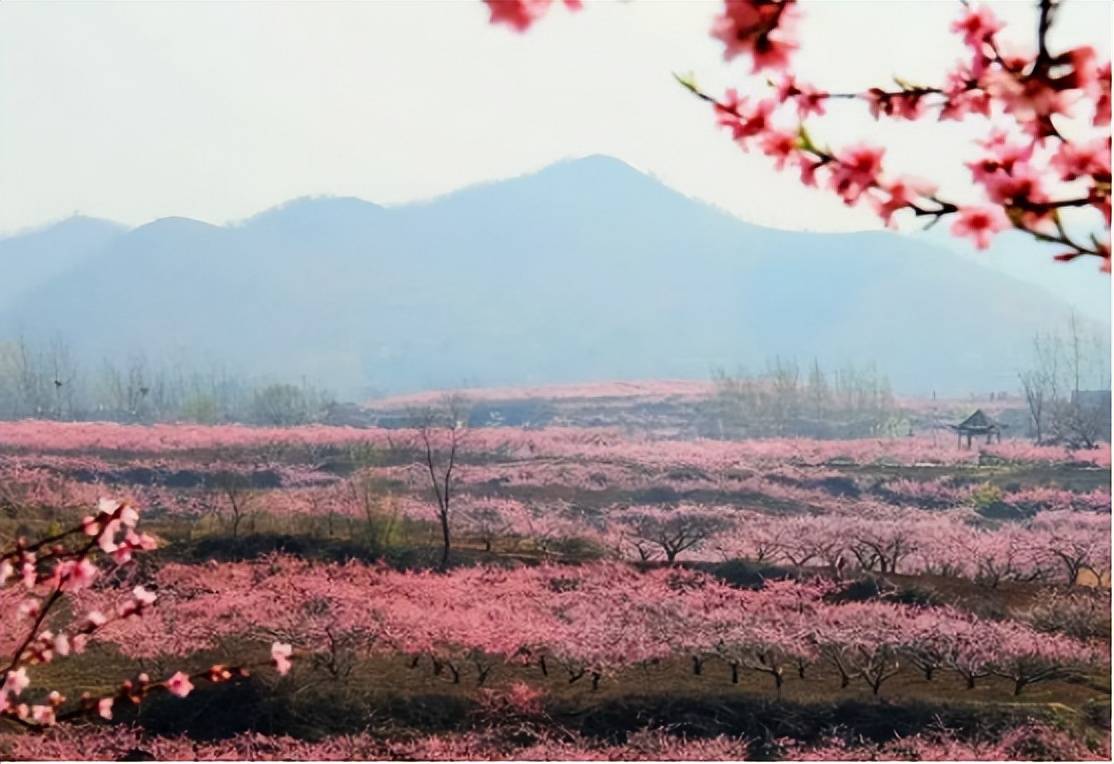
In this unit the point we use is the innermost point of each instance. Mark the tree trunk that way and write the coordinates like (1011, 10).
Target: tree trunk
(734, 673)
(595, 681)
(697, 665)
(445, 539)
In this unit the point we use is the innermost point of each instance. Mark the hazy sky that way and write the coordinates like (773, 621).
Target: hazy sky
(217, 110)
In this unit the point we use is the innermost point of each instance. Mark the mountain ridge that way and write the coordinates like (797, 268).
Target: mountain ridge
(587, 269)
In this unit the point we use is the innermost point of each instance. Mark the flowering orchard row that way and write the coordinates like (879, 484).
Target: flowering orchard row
(812, 528)
(1053, 546)
(594, 444)
(590, 621)
(1022, 743)
(803, 488)
(181, 485)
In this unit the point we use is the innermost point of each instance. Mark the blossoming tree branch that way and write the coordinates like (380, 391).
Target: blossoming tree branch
(37, 577)
(1044, 150)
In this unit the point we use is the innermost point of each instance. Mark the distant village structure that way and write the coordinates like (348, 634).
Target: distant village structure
(978, 424)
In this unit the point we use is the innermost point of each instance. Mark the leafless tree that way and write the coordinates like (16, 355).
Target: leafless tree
(487, 524)
(236, 496)
(125, 390)
(1059, 410)
(441, 432)
(1041, 382)
(1078, 422)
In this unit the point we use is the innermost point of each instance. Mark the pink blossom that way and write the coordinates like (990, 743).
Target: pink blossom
(744, 120)
(1031, 100)
(899, 194)
(1019, 188)
(28, 572)
(107, 539)
(906, 105)
(280, 657)
(179, 685)
(1102, 100)
(760, 28)
(809, 100)
(856, 170)
(977, 25)
(808, 168)
(143, 596)
(76, 575)
(1078, 160)
(128, 516)
(15, 682)
(62, 645)
(520, 15)
(43, 715)
(980, 223)
(106, 506)
(781, 145)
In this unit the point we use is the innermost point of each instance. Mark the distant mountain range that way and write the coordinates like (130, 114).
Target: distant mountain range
(586, 270)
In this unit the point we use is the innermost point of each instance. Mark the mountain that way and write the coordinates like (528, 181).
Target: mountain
(30, 259)
(586, 270)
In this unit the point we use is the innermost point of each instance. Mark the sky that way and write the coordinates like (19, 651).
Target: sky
(215, 111)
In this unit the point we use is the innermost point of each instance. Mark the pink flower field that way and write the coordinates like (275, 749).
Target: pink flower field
(591, 570)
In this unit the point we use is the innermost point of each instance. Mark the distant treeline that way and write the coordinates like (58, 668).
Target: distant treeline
(850, 402)
(47, 382)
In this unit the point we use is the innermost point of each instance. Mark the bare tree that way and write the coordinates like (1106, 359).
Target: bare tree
(378, 508)
(125, 391)
(1041, 383)
(238, 496)
(1059, 410)
(487, 523)
(1078, 422)
(441, 432)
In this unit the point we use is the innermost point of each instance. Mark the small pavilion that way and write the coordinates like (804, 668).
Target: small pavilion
(978, 424)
